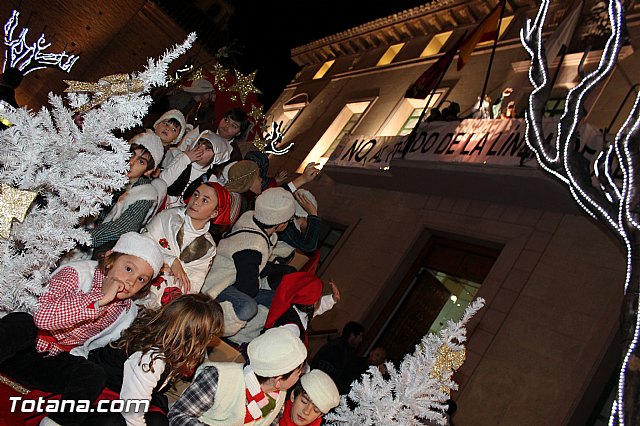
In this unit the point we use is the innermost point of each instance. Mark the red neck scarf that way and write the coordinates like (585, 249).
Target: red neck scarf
(285, 420)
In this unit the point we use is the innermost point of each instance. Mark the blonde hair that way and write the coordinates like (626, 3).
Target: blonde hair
(177, 333)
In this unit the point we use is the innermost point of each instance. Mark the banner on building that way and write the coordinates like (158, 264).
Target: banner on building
(473, 141)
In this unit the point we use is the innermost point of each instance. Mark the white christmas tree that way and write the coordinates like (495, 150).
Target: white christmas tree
(74, 171)
(414, 392)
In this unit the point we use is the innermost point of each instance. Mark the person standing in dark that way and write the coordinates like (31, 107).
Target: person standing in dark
(9, 81)
(338, 357)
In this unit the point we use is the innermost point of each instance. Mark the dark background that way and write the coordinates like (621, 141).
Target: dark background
(264, 32)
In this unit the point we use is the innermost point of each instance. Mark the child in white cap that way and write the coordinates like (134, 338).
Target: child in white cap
(229, 394)
(86, 305)
(131, 208)
(234, 278)
(314, 397)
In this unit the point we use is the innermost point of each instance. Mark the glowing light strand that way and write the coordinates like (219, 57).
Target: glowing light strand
(30, 57)
(614, 206)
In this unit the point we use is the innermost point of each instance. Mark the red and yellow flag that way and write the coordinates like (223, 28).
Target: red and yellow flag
(487, 30)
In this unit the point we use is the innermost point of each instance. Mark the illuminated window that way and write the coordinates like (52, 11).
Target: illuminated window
(390, 54)
(323, 69)
(343, 125)
(506, 20)
(436, 43)
(406, 114)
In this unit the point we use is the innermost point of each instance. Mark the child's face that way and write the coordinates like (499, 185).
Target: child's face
(133, 271)
(138, 164)
(207, 152)
(303, 411)
(167, 132)
(256, 185)
(203, 204)
(284, 385)
(228, 128)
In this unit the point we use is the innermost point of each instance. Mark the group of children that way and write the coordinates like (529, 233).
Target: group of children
(178, 259)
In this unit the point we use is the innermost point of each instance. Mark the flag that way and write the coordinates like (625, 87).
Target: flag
(487, 30)
(430, 79)
(563, 34)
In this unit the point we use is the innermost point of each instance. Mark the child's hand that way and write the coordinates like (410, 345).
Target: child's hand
(195, 153)
(282, 176)
(334, 290)
(305, 203)
(310, 172)
(110, 288)
(180, 276)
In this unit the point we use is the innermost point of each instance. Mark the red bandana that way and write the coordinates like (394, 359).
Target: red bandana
(296, 288)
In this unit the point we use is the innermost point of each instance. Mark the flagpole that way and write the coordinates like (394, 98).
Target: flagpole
(563, 53)
(493, 53)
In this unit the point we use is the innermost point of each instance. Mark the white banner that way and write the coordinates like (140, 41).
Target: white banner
(499, 142)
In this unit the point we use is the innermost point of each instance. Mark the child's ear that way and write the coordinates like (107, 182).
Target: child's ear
(148, 173)
(214, 214)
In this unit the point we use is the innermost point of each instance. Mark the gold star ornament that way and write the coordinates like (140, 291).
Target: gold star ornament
(219, 76)
(14, 204)
(244, 85)
(256, 113)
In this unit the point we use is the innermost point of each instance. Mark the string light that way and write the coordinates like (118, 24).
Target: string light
(621, 219)
(30, 57)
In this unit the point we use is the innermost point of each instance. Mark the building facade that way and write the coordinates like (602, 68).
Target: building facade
(410, 241)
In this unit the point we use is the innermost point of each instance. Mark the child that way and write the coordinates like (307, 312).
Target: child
(232, 126)
(159, 347)
(297, 300)
(315, 396)
(170, 127)
(132, 208)
(87, 305)
(210, 149)
(229, 394)
(183, 237)
(234, 277)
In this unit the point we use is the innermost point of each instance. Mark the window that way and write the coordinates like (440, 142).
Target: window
(291, 110)
(506, 20)
(436, 43)
(390, 54)
(330, 234)
(343, 125)
(554, 107)
(406, 115)
(323, 69)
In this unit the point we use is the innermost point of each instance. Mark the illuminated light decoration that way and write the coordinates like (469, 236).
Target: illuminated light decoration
(244, 85)
(618, 207)
(268, 144)
(30, 57)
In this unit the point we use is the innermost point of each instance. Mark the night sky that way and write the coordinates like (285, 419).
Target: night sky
(266, 31)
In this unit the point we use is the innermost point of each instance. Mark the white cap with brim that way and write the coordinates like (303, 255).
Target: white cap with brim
(321, 389)
(152, 143)
(276, 352)
(274, 206)
(145, 248)
(300, 211)
(200, 85)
